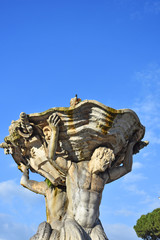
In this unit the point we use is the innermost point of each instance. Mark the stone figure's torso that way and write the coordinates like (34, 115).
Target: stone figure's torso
(84, 191)
(56, 204)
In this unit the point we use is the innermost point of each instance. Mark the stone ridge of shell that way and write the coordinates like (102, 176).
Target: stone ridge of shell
(46, 113)
(69, 112)
(91, 124)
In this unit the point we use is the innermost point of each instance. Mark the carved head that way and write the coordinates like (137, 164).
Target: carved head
(47, 133)
(101, 159)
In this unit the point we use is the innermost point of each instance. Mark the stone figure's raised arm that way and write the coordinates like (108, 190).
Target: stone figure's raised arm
(51, 135)
(53, 121)
(117, 172)
(34, 186)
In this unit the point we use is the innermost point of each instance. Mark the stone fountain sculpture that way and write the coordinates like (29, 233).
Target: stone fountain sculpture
(77, 150)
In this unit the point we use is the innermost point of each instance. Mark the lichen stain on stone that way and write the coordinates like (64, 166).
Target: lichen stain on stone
(47, 211)
(13, 137)
(71, 125)
(110, 116)
(51, 110)
(81, 155)
(56, 191)
(10, 138)
(104, 129)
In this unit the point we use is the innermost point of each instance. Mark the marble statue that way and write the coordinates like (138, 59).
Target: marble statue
(77, 150)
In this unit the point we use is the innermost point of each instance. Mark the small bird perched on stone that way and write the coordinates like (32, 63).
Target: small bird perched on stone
(74, 101)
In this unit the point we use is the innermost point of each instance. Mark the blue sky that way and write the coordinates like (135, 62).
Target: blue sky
(104, 50)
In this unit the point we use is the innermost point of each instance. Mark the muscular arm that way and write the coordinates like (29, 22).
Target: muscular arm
(53, 123)
(120, 171)
(60, 163)
(34, 186)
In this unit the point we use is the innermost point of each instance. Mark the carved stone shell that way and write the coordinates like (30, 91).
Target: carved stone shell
(91, 124)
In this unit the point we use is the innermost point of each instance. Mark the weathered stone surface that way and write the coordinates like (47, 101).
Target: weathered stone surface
(43, 232)
(78, 150)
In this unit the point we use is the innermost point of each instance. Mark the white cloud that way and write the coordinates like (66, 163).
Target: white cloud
(9, 190)
(146, 154)
(22, 205)
(148, 7)
(7, 187)
(10, 229)
(153, 136)
(120, 232)
(148, 110)
(137, 165)
(136, 15)
(152, 6)
(134, 189)
(152, 201)
(133, 177)
(148, 105)
(125, 212)
(13, 165)
(149, 75)
(16, 199)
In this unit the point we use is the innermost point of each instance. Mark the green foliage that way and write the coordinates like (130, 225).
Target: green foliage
(48, 182)
(148, 226)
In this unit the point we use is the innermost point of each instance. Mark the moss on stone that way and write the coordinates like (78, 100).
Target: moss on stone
(12, 137)
(48, 182)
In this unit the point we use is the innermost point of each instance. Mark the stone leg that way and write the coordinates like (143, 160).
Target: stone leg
(97, 233)
(43, 232)
(73, 231)
(55, 235)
